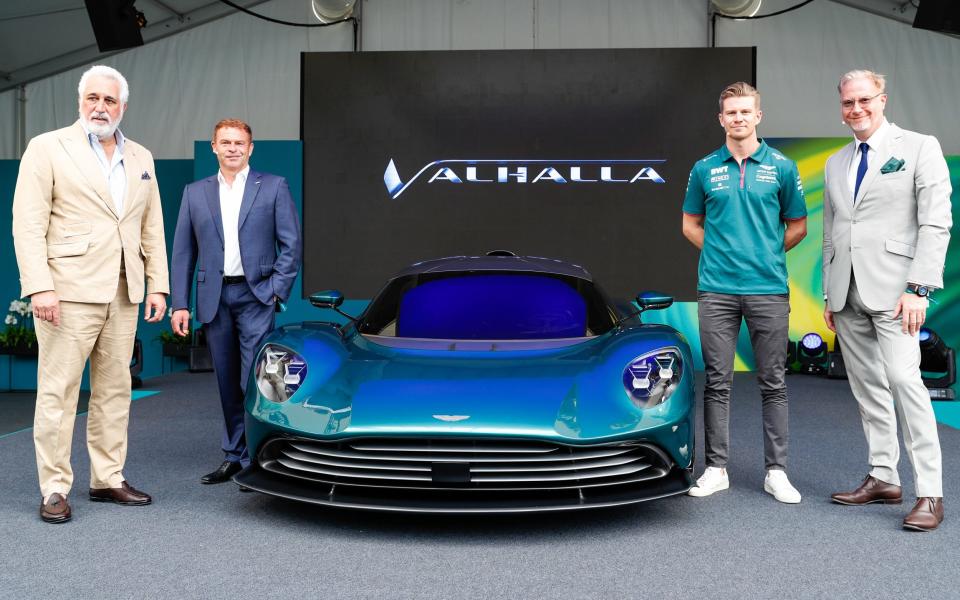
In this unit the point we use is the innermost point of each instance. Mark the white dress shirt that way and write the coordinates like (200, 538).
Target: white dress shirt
(873, 142)
(230, 199)
(112, 169)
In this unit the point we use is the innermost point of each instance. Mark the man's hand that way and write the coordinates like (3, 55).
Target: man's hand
(46, 306)
(914, 311)
(828, 319)
(180, 322)
(154, 307)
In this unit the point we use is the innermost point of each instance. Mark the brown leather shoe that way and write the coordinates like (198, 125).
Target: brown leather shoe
(56, 510)
(926, 515)
(870, 491)
(126, 495)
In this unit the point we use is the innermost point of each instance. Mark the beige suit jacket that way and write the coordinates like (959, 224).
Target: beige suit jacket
(898, 229)
(67, 235)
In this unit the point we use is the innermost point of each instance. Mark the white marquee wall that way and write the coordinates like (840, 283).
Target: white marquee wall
(245, 67)
(8, 125)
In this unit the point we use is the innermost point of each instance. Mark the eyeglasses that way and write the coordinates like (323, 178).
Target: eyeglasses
(863, 102)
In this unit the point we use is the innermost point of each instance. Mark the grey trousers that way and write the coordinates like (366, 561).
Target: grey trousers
(768, 321)
(883, 365)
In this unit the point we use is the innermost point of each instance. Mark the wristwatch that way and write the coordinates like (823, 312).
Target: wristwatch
(919, 290)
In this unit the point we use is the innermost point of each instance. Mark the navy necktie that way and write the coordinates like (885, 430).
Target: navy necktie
(861, 169)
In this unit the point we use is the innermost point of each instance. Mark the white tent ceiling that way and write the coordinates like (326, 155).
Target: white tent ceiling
(39, 38)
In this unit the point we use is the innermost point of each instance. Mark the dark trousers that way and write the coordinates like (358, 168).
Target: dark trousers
(234, 335)
(768, 321)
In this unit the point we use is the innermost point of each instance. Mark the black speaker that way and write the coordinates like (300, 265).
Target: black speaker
(938, 15)
(200, 360)
(835, 367)
(136, 365)
(116, 24)
(791, 357)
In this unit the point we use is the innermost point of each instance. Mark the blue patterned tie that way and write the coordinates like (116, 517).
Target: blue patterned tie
(862, 169)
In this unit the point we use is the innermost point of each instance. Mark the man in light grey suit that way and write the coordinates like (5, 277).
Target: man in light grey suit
(886, 226)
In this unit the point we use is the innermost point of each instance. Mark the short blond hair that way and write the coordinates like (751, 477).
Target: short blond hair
(739, 89)
(877, 78)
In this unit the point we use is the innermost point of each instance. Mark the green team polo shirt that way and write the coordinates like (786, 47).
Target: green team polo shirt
(745, 207)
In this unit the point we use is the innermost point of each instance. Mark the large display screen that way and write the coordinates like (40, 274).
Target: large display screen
(580, 155)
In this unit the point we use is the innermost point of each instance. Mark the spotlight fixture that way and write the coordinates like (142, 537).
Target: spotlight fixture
(331, 11)
(812, 353)
(938, 365)
(737, 8)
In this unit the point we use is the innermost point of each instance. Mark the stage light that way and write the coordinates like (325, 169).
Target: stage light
(812, 344)
(116, 24)
(331, 11)
(737, 8)
(938, 365)
(812, 353)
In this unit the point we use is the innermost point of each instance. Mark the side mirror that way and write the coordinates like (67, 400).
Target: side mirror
(327, 299)
(653, 300)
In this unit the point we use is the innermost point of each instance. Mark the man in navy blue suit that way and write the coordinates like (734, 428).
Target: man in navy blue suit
(239, 230)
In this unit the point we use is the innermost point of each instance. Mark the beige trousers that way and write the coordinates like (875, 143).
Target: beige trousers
(105, 334)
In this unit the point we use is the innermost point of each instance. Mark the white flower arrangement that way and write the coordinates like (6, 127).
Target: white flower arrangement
(19, 322)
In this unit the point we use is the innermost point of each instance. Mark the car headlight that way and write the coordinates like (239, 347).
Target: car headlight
(651, 378)
(280, 373)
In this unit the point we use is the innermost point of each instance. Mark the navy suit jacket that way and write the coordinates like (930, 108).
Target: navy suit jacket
(270, 244)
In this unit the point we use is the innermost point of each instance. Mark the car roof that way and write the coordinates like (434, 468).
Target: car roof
(520, 264)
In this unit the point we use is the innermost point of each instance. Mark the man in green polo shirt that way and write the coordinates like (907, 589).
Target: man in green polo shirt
(744, 209)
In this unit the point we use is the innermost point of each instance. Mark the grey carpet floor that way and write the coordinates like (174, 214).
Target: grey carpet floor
(16, 409)
(200, 541)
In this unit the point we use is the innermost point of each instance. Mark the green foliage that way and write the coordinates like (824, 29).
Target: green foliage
(168, 337)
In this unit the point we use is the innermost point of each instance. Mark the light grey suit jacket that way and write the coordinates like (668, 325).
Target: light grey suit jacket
(898, 229)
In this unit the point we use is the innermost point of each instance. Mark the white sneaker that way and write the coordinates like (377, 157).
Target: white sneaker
(776, 483)
(714, 479)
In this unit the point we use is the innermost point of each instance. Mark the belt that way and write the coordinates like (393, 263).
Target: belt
(233, 279)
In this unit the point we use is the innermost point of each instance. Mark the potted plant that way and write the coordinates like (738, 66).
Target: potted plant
(172, 344)
(19, 337)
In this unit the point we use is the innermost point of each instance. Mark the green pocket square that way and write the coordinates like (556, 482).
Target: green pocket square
(893, 165)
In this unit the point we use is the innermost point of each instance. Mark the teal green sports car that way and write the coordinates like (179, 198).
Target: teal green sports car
(494, 383)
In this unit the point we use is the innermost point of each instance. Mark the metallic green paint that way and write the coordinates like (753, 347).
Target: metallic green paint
(570, 395)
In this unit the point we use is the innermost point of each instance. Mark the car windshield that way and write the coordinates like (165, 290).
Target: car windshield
(488, 305)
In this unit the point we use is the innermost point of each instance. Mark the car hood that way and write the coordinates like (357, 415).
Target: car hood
(564, 390)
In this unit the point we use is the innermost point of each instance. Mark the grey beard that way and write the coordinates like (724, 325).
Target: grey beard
(101, 131)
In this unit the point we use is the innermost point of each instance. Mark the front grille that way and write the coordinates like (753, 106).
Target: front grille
(481, 464)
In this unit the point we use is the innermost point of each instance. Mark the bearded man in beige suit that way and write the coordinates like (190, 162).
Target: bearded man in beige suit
(886, 227)
(88, 233)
